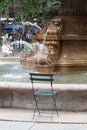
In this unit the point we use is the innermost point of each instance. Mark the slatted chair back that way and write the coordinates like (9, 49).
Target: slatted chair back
(41, 77)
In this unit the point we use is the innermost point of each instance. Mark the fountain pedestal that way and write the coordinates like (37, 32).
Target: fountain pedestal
(68, 34)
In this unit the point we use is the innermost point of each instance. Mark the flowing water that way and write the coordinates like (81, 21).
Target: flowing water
(13, 71)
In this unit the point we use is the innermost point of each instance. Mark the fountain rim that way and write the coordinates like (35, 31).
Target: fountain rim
(10, 58)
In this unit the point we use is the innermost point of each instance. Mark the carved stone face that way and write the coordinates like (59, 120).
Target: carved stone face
(53, 53)
(51, 50)
(57, 22)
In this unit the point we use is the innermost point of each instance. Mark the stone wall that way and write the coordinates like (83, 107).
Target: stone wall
(72, 97)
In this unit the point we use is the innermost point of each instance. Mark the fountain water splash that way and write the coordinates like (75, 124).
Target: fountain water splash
(13, 71)
(21, 42)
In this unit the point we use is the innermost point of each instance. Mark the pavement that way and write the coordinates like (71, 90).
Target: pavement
(21, 119)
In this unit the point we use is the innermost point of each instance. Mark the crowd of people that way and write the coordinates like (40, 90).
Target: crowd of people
(8, 38)
(17, 35)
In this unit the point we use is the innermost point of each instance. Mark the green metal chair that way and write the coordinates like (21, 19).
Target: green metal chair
(43, 78)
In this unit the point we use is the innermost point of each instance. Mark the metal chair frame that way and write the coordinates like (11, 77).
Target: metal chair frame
(43, 77)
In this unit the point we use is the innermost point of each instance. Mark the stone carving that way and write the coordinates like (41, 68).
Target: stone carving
(51, 56)
(53, 45)
(48, 54)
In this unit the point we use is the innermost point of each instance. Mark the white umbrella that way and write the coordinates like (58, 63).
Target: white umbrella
(27, 23)
(31, 24)
(5, 19)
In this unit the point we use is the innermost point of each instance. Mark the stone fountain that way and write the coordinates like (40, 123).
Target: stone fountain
(65, 40)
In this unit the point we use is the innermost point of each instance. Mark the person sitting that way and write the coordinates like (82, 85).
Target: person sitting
(6, 49)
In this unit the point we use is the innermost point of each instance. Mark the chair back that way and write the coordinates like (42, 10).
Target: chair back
(41, 77)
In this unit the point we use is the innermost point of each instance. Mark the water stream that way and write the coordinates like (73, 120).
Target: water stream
(13, 71)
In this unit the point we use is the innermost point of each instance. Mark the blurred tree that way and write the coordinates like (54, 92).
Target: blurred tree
(30, 9)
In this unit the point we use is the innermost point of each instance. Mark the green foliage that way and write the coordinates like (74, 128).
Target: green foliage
(4, 4)
(0, 42)
(29, 9)
(26, 48)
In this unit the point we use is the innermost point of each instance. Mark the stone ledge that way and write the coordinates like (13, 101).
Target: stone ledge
(19, 95)
(10, 58)
(27, 86)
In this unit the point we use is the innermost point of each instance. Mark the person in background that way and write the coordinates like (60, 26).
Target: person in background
(10, 37)
(6, 50)
(4, 37)
(29, 36)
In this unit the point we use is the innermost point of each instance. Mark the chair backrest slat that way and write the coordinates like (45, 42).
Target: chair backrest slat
(41, 74)
(41, 77)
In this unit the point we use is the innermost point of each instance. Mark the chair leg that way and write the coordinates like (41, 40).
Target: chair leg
(36, 107)
(54, 103)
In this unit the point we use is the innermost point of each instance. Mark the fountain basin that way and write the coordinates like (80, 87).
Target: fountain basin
(72, 96)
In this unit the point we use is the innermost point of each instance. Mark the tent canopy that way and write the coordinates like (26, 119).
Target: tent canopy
(34, 28)
(13, 26)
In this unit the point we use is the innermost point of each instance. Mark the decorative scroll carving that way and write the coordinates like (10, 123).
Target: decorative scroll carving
(53, 45)
(75, 25)
(73, 8)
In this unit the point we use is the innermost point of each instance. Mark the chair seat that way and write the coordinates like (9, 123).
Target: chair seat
(46, 92)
